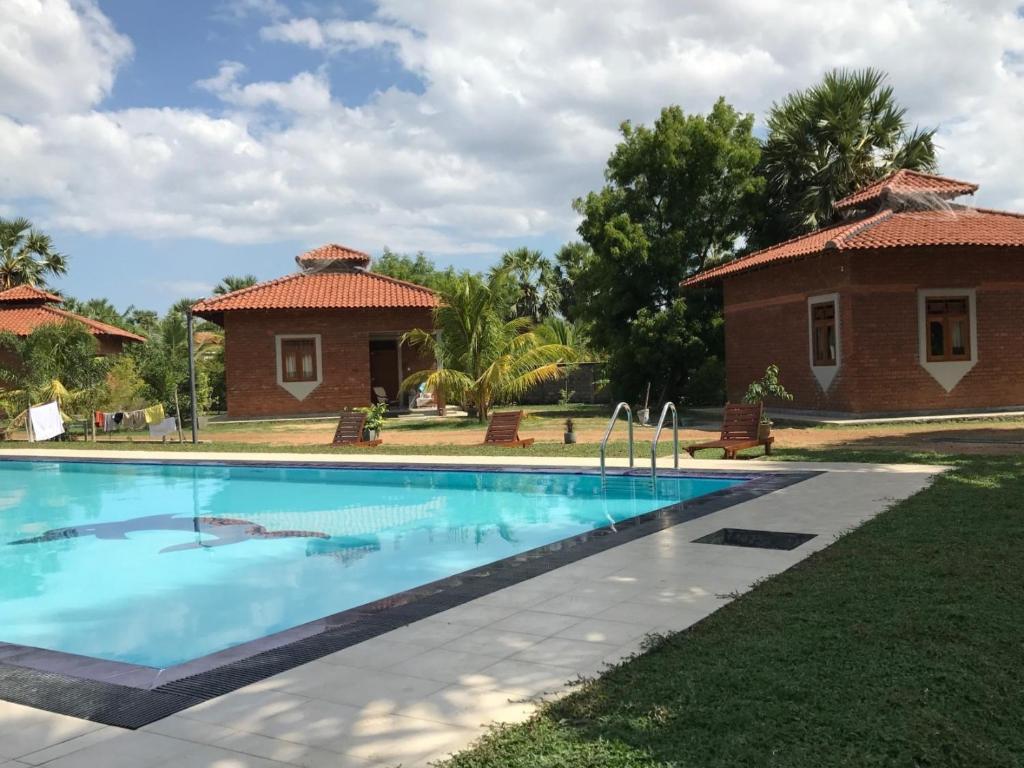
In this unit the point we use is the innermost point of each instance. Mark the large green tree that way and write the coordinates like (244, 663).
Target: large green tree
(55, 362)
(828, 140)
(678, 197)
(27, 256)
(416, 269)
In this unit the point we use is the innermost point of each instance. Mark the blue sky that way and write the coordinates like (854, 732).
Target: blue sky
(165, 145)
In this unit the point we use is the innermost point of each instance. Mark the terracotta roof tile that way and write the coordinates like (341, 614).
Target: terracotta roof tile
(333, 252)
(886, 229)
(323, 290)
(28, 293)
(22, 320)
(904, 183)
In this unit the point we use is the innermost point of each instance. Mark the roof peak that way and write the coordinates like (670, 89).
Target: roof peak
(332, 253)
(904, 184)
(28, 294)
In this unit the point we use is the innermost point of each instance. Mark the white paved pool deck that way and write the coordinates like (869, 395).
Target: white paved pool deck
(418, 693)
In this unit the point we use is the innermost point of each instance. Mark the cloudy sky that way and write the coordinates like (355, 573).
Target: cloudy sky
(165, 145)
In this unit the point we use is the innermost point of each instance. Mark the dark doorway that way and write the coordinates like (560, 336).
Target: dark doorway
(384, 369)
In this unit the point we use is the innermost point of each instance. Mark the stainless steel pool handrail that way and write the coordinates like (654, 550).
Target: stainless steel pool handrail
(669, 406)
(608, 433)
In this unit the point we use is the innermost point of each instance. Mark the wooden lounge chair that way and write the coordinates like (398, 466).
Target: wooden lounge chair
(504, 430)
(350, 430)
(739, 430)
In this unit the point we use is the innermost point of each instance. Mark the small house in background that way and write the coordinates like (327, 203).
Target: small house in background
(913, 303)
(25, 308)
(321, 339)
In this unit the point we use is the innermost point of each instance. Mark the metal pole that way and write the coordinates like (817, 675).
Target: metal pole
(192, 376)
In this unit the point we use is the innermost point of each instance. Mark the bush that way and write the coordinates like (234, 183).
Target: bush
(706, 385)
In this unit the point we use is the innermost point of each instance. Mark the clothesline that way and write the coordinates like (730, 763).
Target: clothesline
(160, 425)
(112, 421)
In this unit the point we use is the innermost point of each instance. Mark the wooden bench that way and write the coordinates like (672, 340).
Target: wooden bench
(350, 430)
(504, 430)
(740, 425)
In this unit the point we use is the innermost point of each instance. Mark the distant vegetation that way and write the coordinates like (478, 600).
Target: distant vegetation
(686, 193)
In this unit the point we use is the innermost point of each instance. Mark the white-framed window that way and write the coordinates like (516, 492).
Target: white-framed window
(824, 339)
(947, 330)
(299, 363)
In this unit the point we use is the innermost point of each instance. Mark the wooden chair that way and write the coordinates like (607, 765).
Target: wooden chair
(504, 430)
(350, 430)
(740, 425)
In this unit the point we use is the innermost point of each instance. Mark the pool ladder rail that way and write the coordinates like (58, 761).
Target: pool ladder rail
(669, 407)
(608, 433)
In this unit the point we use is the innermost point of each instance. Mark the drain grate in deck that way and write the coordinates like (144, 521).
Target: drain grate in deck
(746, 537)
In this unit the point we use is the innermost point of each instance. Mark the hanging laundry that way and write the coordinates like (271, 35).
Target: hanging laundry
(98, 419)
(134, 420)
(166, 427)
(46, 421)
(118, 418)
(155, 414)
(109, 425)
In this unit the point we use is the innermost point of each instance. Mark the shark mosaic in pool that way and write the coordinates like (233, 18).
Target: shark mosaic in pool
(130, 562)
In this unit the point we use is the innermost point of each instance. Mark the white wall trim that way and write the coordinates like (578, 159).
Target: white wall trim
(947, 372)
(300, 390)
(824, 374)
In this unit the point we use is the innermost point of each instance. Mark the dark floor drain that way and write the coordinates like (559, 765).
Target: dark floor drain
(744, 537)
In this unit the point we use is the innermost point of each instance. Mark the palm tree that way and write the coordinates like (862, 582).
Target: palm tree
(27, 256)
(483, 357)
(234, 283)
(537, 281)
(826, 142)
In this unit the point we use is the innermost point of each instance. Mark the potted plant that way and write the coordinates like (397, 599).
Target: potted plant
(767, 386)
(570, 435)
(374, 420)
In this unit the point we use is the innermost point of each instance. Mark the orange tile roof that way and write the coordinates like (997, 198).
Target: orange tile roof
(22, 320)
(906, 182)
(886, 229)
(21, 293)
(323, 290)
(333, 252)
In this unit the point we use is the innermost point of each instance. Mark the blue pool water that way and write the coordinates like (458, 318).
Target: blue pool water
(159, 564)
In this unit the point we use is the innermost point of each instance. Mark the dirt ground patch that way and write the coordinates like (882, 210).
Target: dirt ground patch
(956, 437)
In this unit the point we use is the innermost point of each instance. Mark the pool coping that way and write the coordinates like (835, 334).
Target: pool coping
(131, 696)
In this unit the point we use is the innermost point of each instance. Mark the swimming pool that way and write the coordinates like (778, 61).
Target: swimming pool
(158, 564)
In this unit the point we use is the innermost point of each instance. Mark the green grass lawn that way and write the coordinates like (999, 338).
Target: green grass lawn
(900, 645)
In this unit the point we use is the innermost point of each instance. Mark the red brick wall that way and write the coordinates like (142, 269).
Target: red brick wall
(251, 364)
(766, 321)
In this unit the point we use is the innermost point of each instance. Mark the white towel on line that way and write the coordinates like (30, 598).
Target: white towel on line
(163, 428)
(46, 421)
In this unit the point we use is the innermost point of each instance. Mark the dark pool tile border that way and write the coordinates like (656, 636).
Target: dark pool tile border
(131, 696)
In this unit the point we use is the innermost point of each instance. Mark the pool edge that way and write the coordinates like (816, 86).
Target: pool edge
(131, 696)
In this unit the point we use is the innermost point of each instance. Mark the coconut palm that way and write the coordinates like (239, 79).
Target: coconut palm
(27, 256)
(483, 357)
(825, 142)
(234, 283)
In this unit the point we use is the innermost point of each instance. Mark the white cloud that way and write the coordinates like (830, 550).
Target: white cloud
(305, 93)
(519, 109)
(55, 56)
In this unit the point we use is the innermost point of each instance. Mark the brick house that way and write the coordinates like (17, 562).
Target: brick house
(913, 303)
(321, 339)
(25, 308)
